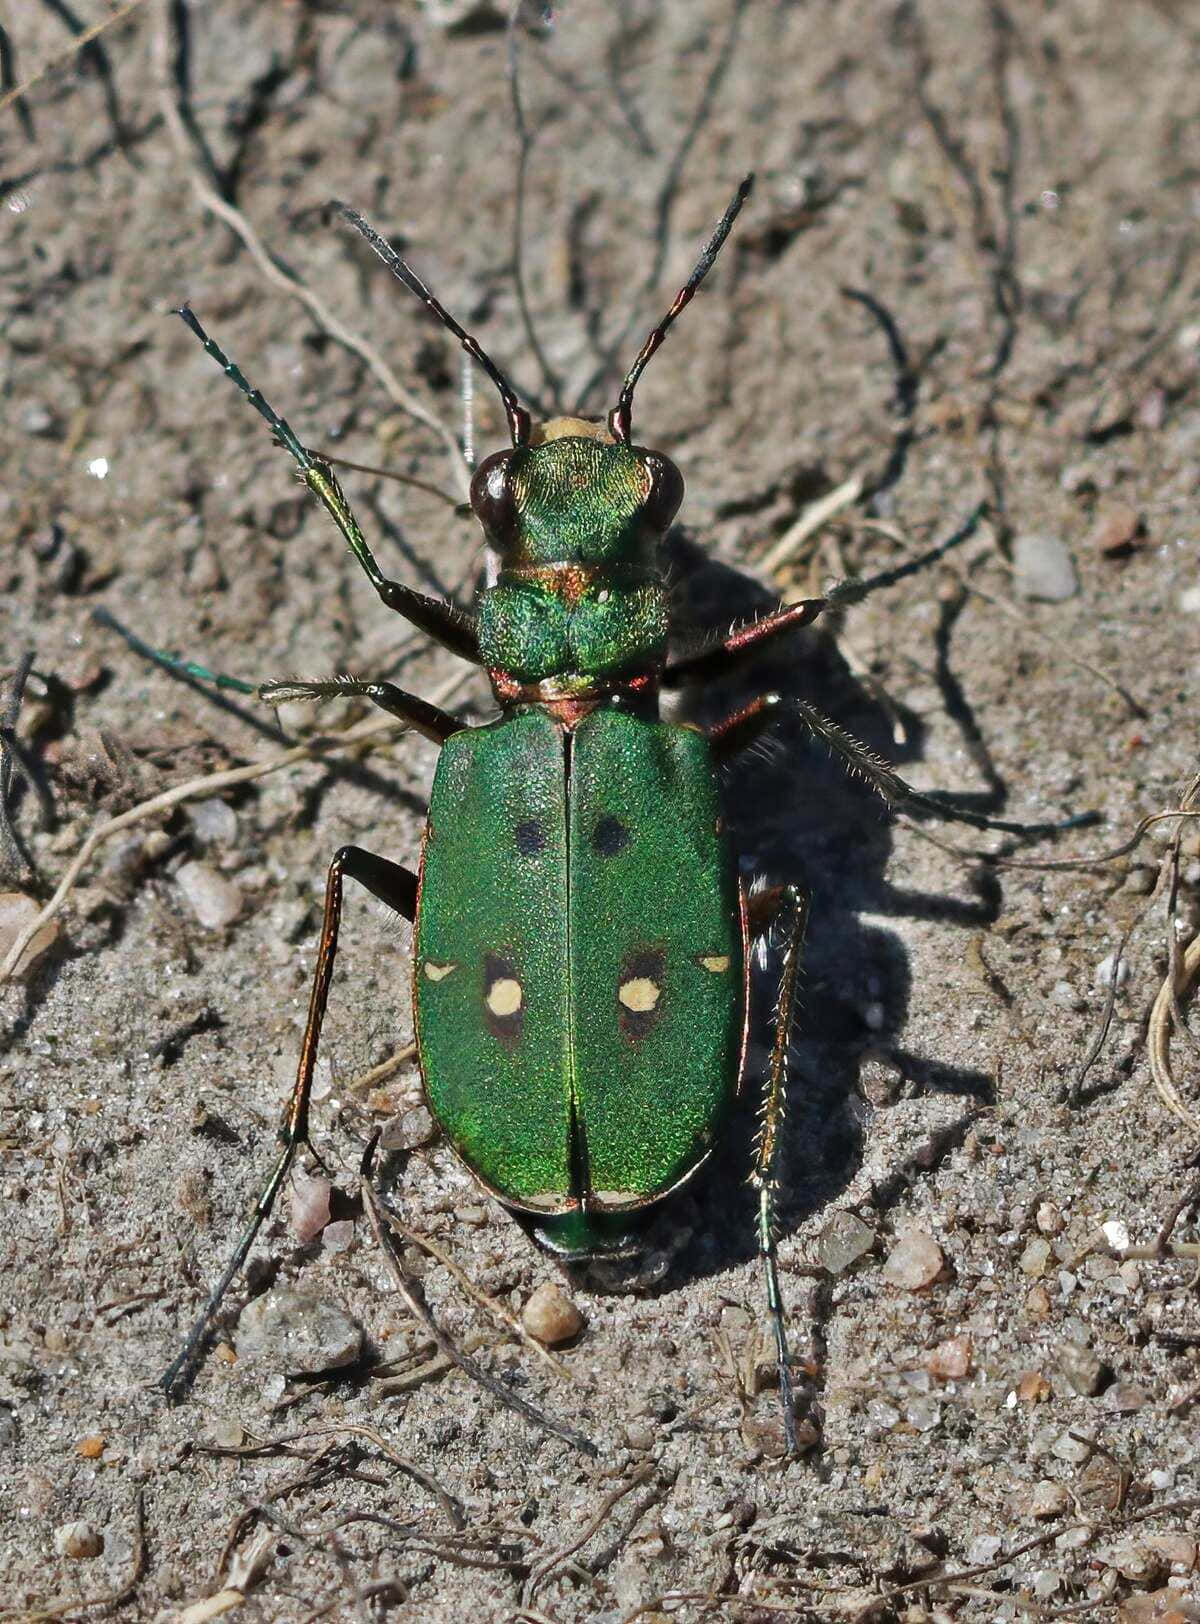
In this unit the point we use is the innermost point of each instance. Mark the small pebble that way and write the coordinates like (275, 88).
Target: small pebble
(310, 1206)
(214, 900)
(1116, 1234)
(91, 1447)
(1189, 600)
(1043, 569)
(408, 1130)
(1070, 1449)
(1105, 970)
(984, 1548)
(881, 1415)
(1035, 1258)
(1116, 530)
(17, 911)
(1048, 1218)
(1064, 995)
(303, 1333)
(1037, 1303)
(914, 1262)
(1084, 1369)
(78, 1539)
(1126, 1398)
(213, 822)
(1033, 1388)
(1152, 408)
(551, 1316)
(338, 1236)
(204, 570)
(950, 1360)
(880, 1079)
(1049, 1499)
(226, 1432)
(1178, 1549)
(844, 1239)
(1136, 1561)
(923, 1413)
(37, 419)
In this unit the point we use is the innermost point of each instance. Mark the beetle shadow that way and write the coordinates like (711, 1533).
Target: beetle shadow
(796, 815)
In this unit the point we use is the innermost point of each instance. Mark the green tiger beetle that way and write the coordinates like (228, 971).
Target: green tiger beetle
(583, 941)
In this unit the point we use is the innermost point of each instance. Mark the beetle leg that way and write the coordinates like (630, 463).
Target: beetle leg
(715, 653)
(451, 626)
(397, 888)
(765, 910)
(421, 716)
(736, 731)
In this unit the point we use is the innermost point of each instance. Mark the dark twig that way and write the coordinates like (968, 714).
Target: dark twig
(14, 854)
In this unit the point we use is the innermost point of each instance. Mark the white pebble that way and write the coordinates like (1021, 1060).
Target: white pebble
(1106, 967)
(213, 822)
(1044, 569)
(215, 901)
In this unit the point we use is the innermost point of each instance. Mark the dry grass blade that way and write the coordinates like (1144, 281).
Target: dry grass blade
(206, 784)
(547, 1565)
(1162, 1022)
(245, 1569)
(810, 521)
(365, 732)
(448, 1502)
(377, 1216)
(976, 854)
(79, 43)
(274, 272)
(498, 1312)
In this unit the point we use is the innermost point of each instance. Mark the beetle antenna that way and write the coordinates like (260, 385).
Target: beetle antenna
(620, 419)
(518, 417)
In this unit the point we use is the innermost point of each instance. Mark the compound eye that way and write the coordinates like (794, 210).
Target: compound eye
(492, 497)
(665, 495)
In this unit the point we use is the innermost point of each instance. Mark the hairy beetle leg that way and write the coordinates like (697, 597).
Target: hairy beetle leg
(429, 720)
(765, 910)
(738, 730)
(392, 885)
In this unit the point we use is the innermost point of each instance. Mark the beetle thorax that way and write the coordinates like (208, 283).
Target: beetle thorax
(574, 593)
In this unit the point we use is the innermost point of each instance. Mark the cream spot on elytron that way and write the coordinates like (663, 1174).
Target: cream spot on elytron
(639, 994)
(716, 962)
(504, 996)
(437, 972)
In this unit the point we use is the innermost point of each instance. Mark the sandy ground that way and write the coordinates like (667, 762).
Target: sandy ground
(990, 1385)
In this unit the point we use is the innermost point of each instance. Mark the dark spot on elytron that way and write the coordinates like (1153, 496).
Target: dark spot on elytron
(531, 837)
(503, 999)
(610, 836)
(640, 988)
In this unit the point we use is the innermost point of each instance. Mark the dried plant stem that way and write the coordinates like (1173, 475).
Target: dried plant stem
(79, 42)
(233, 217)
(364, 732)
